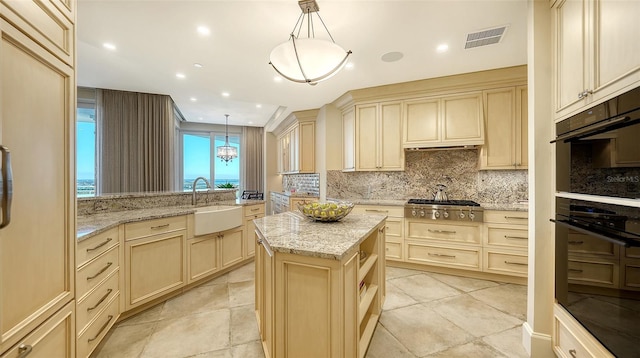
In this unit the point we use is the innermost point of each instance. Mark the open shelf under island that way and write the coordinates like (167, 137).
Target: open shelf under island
(319, 286)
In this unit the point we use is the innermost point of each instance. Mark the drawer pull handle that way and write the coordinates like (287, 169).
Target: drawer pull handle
(100, 301)
(100, 272)
(514, 217)
(514, 237)
(441, 255)
(24, 350)
(99, 245)
(159, 227)
(101, 329)
(255, 209)
(515, 263)
(573, 242)
(575, 270)
(377, 211)
(573, 353)
(441, 231)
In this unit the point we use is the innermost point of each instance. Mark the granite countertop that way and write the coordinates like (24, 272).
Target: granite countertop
(89, 225)
(293, 233)
(505, 206)
(520, 206)
(295, 194)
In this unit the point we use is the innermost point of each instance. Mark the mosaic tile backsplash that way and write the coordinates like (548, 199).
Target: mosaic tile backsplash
(457, 169)
(303, 183)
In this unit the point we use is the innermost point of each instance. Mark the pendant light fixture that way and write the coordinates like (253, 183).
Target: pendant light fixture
(308, 60)
(226, 152)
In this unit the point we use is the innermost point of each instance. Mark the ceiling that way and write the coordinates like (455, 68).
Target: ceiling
(156, 39)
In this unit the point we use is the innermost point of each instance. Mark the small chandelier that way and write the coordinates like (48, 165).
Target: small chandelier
(226, 152)
(308, 60)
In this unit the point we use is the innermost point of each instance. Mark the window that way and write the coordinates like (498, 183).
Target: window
(199, 160)
(86, 151)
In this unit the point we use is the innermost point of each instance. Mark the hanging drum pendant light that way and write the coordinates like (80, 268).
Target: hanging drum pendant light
(308, 60)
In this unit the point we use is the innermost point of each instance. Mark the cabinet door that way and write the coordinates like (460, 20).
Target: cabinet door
(294, 144)
(570, 52)
(522, 127)
(348, 140)
(499, 149)
(421, 124)
(231, 247)
(462, 121)
(203, 257)
(37, 118)
(249, 235)
(390, 147)
(155, 265)
(366, 137)
(306, 148)
(265, 298)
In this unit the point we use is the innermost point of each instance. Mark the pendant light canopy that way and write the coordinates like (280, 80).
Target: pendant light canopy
(308, 60)
(226, 152)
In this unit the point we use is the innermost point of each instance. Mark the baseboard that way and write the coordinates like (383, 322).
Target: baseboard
(538, 345)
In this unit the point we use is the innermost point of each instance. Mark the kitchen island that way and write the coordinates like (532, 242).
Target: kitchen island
(319, 286)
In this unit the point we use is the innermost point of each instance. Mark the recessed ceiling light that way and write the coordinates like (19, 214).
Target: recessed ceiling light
(197, 65)
(203, 30)
(258, 105)
(349, 65)
(442, 48)
(277, 79)
(193, 99)
(392, 56)
(250, 122)
(225, 94)
(199, 118)
(109, 46)
(180, 75)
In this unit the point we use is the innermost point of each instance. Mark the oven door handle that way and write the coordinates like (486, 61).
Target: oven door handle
(586, 131)
(594, 234)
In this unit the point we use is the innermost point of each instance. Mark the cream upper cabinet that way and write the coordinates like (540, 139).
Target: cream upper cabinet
(378, 137)
(443, 121)
(296, 144)
(348, 140)
(505, 115)
(37, 127)
(596, 51)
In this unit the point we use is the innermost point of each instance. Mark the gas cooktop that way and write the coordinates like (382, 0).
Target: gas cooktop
(456, 210)
(446, 202)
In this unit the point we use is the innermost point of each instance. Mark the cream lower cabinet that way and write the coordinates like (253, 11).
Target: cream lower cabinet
(251, 212)
(203, 252)
(505, 117)
(231, 247)
(505, 242)
(37, 121)
(571, 340)
(596, 52)
(156, 259)
(394, 228)
(342, 317)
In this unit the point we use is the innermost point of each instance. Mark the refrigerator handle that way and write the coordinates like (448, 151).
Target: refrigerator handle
(6, 186)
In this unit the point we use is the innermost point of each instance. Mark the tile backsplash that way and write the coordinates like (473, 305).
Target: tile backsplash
(303, 183)
(457, 169)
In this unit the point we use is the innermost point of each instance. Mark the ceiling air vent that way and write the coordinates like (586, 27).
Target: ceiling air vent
(485, 37)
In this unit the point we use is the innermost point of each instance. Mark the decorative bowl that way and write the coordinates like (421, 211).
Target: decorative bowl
(326, 212)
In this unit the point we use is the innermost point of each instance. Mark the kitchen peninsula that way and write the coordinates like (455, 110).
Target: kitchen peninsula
(319, 286)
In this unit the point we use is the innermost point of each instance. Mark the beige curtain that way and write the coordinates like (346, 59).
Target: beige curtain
(135, 141)
(253, 168)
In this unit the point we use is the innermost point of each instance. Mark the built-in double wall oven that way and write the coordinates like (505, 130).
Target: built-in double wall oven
(597, 259)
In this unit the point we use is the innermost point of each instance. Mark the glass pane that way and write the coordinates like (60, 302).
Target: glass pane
(227, 172)
(197, 160)
(86, 152)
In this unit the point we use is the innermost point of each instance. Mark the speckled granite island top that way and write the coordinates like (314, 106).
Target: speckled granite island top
(293, 233)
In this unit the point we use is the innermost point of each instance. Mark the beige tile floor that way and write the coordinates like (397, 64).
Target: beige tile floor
(425, 315)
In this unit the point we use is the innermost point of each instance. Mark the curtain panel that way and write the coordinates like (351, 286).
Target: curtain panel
(135, 139)
(253, 168)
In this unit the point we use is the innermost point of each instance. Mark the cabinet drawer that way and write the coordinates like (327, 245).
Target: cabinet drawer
(507, 236)
(567, 345)
(469, 234)
(464, 258)
(506, 263)
(632, 276)
(94, 246)
(253, 210)
(53, 338)
(153, 227)
(98, 328)
(393, 250)
(92, 274)
(593, 273)
(584, 244)
(506, 217)
(392, 211)
(394, 228)
(632, 252)
(93, 303)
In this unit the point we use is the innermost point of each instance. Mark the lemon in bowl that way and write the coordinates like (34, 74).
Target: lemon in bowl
(332, 211)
